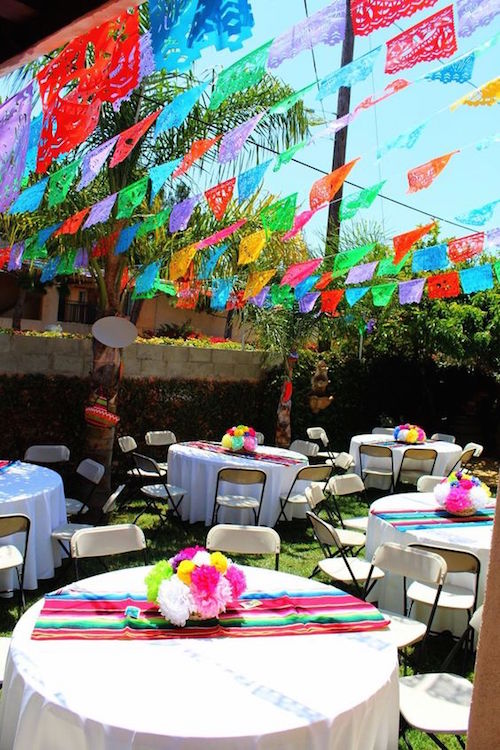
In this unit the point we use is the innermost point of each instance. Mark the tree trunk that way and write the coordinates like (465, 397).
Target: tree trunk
(228, 329)
(283, 420)
(17, 313)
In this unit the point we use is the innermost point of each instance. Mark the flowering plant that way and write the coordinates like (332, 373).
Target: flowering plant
(240, 438)
(462, 494)
(194, 582)
(409, 433)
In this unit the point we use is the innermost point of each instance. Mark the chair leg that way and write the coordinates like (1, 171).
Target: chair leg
(437, 741)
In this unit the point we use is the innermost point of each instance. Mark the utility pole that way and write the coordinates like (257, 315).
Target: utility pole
(340, 143)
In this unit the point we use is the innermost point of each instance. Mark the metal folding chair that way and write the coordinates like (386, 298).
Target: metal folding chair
(239, 502)
(319, 473)
(161, 494)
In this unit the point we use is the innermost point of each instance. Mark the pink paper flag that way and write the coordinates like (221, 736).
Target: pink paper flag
(300, 271)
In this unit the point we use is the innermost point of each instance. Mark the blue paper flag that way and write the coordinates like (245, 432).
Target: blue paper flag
(223, 23)
(403, 140)
(34, 137)
(432, 258)
(160, 174)
(476, 279)
(305, 286)
(354, 72)
(50, 269)
(44, 234)
(479, 216)
(459, 71)
(146, 279)
(249, 181)
(174, 114)
(208, 264)
(221, 289)
(355, 294)
(29, 199)
(126, 237)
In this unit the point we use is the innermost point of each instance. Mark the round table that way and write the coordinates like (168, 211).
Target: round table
(447, 456)
(195, 470)
(38, 493)
(475, 539)
(327, 692)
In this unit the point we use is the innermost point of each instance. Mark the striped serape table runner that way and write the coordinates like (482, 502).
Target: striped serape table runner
(270, 457)
(77, 615)
(434, 518)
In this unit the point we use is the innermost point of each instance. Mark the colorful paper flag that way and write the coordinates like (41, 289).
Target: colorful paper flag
(174, 114)
(484, 96)
(432, 39)
(221, 289)
(387, 267)
(125, 238)
(325, 189)
(234, 140)
(73, 223)
(361, 273)
(16, 257)
(458, 71)
(304, 287)
(299, 221)
(479, 216)
(411, 291)
(67, 263)
(286, 156)
(181, 260)
(215, 238)
(197, 150)
(324, 280)
(282, 296)
(382, 293)
(29, 199)
(443, 285)
(278, 217)
(15, 116)
(259, 299)
(256, 282)
(424, 175)
(351, 204)
(219, 196)
(181, 213)
(160, 174)
(49, 271)
(369, 15)
(403, 242)
(100, 212)
(208, 264)
(129, 138)
(466, 247)
(473, 14)
(349, 258)
(433, 258)
(146, 279)
(130, 197)
(299, 271)
(403, 140)
(93, 162)
(251, 247)
(476, 279)
(245, 72)
(282, 107)
(348, 75)
(307, 302)
(330, 301)
(249, 181)
(354, 295)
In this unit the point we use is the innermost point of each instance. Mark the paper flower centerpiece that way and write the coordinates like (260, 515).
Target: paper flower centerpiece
(462, 494)
(240, 438)
(194, 584)
(409, 433)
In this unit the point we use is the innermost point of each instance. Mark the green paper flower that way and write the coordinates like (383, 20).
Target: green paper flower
(162, 571)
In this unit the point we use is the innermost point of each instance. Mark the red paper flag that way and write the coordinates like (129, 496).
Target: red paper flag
(466, 247)
(105, 245)
(67, 124)
(443, 285)
(4, 255)
(330, 300)
(392, 88)
(403, 242)
(219, 196)
(324, 189)
(236, 301)
(73, 224)
(369, 15)
(129, 138)
(424, 175)
(432, 38)
(324, 280)
(124, 279)
(198, 148)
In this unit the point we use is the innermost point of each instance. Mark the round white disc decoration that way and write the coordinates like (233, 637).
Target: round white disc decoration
(114, 332)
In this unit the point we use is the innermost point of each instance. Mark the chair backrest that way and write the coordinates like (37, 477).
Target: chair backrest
(344, 461)
(443, 436)
(477, 619)
(160, 437)
(91, 470)
(467, 455)
(317, 473)
(409, 562)
(317, 433)
(426, 482)
(457, 560)
(383, 431)
(47, 454)
(110, 503)
(478, 449)
(323, 531)
(107, 540)
(420, 454)
(241, 476)
(146, 463)
(127, 443)
(346, 484)
(260, 438)
(314, 495)
(378, 451)
(245, 540)
(305, 447)
(14, 524)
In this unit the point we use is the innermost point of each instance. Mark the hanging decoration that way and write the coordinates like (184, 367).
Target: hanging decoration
(146, 279)
(403, 242)
(354, 295)
(129, 138)
(221, 289)
(73, 223)
(15, 116)
(197, 150)
(131, 197)
(278, 217)
(307, 302)
(330, 301)
(180, 261)
(324, 280)
(105, 245)
(411, 291)
(174, 114)
(46, 232)
(260, 299)
(476, 279)
(16, 257)
(94, 161)
(387, 266)
(466, 248)
(234, 140)
(282, 107)
(181, 213)
(67, 263)
(81, 258)
(493, 239)
(344, 260)
(424, 175)
(392, 88)
(497, 270)
(282, 296)
(432, 39)
(160, 174)
(479, 216)
(249, 181)
(223, 23)
(146, 67)
(286, 156)
(125, 238)
(215, 238)
(251, 247)
(490, 140)
(361, 273)
(443, 285)
(100, 212)
(219, 196)
(325, 189)
(34, 137)
(484, 96)
(49, 271)
(29, 199)
(327, 26)
(459, 71)
(246, 72)
(351, 204)
(348, 75)
(33, 250)
(207, 266)
(60, 183)
(305, 286)
(403, 140)
(433, 258)
(299, 271)
(152, 223)
(4, 256)
(369, 15)
(382, 293)
(473, 14)
(299, 221)
(188, 299)
(66, 126)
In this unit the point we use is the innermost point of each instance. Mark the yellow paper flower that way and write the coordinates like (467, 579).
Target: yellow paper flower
(219, 561)
(412, 436)
(184, 571)
(226, 441)
(238, 432)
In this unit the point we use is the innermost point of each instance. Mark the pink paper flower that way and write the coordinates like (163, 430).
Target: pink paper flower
(237, 581)
(210, 593)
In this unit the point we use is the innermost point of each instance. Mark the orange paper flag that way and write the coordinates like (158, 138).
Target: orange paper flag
(257, 281)
(73, 224)
(324, 190)
(180, 261)
(424, 175)
(251, 247)
(219, 196)
(198, 148)
(330, 301)
(403, 242)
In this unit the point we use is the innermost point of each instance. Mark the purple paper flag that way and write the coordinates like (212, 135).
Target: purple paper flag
(93, 162)
(327, 26)
(361, 273)
(82, 258)
(15, 116)
(475, 13)
(181, 213)
(260, 298)
(234, 140)
(411, 291)
(492, 239)
(100, 211)
(16, 257)
(307, 302)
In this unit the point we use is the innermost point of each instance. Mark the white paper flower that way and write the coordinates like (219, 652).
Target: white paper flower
(175, 601)
(479, 497)
(202, 558)
(441, 492)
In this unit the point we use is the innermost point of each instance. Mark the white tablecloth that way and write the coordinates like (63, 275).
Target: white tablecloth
(196, 471)
(36, 492)
(321, 692)
(447, 456)
(388, 591)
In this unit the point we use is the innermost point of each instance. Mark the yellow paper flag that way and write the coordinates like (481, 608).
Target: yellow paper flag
(257, 281)
(180, 261)
(251, 247)
(484, 96)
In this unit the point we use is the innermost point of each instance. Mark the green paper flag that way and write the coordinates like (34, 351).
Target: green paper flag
(382, 293)
(282, 295)
(167, 287)
(60, 183)
(351, 204)
(350, 258)
(288, 155)
(67, 263)
(33, 250)
(278, 217)
(387, 268)
(244, 73)
(496, 267)
(130, 197)
(285, 104)
(154, 222)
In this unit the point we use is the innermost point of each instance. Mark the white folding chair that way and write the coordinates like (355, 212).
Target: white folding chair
(244, 540)
(351, 539)
(295, 497)
(161, 490)
(47, 454)
(10, 556)
(103, 541)
(383, 431)
(90, 473)
(444, 437)
(305, 447)
(260, 438)
(160, 440)
(466, 457)
(318, 433)
(426, 482)
(478, 449)
(239, 502)
(380, 463)
(347, 484)
(412, 465)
